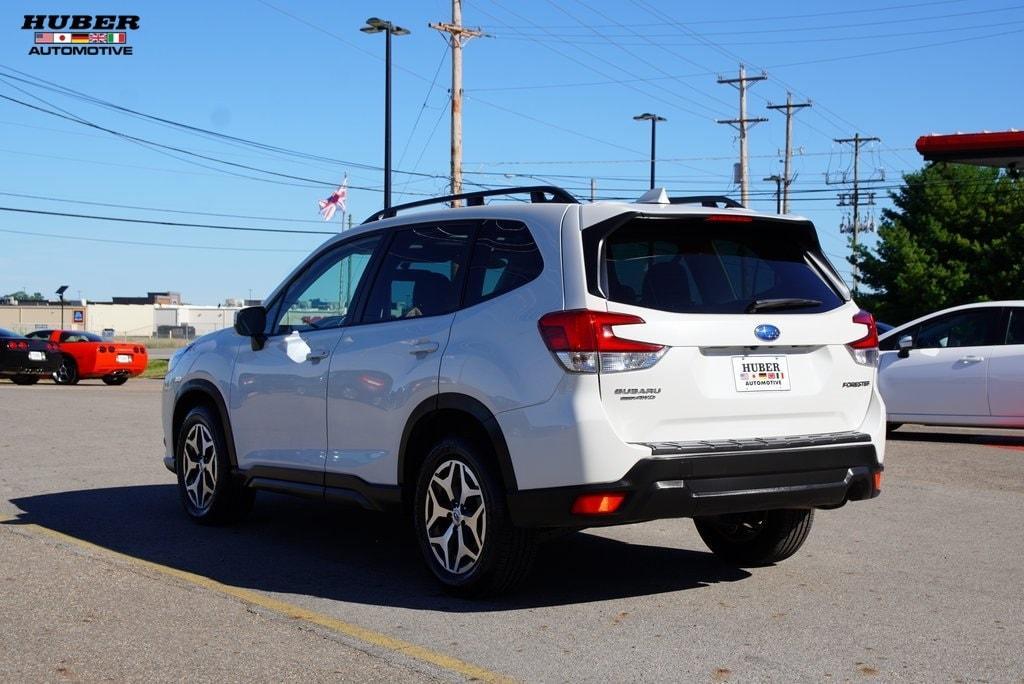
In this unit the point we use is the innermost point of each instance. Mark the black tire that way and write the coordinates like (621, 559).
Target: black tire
(506, 553)
(208, 492)
(752, 539)
(25, 379)
(115, 379)
(67, 374)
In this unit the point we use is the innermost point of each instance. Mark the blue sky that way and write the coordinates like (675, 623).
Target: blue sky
(550, 97)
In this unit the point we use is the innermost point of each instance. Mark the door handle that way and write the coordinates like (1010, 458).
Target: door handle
(424, 347)
(971, 359)
(318, 355)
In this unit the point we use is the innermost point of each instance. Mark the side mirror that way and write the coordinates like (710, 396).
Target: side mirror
(251, 322)
(905, 344)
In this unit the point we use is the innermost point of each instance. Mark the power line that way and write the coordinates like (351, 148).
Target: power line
(789, 40)
(175, 224)
(163, 210)
(150, 244)
(775, 17)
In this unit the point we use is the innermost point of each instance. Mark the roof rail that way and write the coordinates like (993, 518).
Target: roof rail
(708, 201)
(539, 194)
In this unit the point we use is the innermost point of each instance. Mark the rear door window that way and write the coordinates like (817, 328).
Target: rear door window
(504, 258)
(421, 274)
(692, 266)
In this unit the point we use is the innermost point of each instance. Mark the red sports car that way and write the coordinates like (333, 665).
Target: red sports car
(85, 355)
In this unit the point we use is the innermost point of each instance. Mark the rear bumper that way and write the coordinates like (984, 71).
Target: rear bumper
(712, 478)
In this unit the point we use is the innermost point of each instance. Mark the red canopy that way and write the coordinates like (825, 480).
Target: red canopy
(1004, 149)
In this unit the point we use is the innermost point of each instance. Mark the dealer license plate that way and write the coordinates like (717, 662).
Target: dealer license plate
(124, 358)
(760, 373)
(36, 356)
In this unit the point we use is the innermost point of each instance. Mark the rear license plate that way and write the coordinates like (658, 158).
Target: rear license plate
(36, 356)
(124, 358)
(760, 373)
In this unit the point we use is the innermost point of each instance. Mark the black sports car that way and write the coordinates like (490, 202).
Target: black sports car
(25, 361)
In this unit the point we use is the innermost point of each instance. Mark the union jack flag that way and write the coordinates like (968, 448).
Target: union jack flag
(336, 200)
(97, 37)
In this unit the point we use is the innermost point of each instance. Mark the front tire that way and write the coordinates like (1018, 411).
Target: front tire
(752, 539)
(25, 379)
(208, 493)
(462, 525)
(67, 373)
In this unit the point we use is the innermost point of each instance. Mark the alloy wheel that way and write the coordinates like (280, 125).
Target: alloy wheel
(455, 516)
(199, 462)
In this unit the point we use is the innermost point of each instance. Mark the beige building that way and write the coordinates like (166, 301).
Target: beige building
(158, 314)
(24, 317)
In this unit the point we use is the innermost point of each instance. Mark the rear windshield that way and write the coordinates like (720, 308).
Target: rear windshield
(692, 266)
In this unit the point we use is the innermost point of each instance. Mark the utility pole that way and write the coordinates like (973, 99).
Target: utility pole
(790, 108)
(741, 124)
(856, 199)
(593, 188)
(458, 34)
(778, 180)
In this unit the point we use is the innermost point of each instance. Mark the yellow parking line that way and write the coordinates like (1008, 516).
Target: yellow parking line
(289, 610)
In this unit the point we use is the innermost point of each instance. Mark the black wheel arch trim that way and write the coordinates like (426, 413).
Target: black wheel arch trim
(211, 392)
(466, 404)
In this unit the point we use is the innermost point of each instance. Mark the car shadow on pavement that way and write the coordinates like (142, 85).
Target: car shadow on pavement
(287, 545)
(1004, 441)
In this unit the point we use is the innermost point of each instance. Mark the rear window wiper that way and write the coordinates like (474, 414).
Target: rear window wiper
(782, 303)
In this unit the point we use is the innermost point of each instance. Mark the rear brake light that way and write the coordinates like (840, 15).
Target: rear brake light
(728, 218)
(15, 345)
(51, 347)
(584, 342)
(865, 349)
(597, 504)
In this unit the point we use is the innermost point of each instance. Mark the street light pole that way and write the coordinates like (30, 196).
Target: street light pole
(654, 119)
(60, 293)
(375, 25)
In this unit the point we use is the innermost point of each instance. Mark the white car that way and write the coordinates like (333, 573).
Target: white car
(503, 369)
(960, 366)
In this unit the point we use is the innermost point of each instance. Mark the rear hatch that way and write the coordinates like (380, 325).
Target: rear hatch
(759, 336)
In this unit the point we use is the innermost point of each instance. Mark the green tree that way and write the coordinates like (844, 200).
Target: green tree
(23, 296)
(955, 236)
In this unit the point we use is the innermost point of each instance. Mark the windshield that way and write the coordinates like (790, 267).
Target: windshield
(689, 265)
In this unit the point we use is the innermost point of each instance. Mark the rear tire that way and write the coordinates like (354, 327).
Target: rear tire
(208, 492)
(67, 374)
(25, 379)
(115, 379)
(752, 539)
(462, 525)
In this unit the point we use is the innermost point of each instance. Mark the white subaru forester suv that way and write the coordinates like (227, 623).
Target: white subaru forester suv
(505, 369)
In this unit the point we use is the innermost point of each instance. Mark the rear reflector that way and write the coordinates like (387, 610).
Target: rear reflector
(597, 504)
(878, 480)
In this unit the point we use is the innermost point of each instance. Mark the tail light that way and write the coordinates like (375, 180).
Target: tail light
(584, 342)
(103, 350)
(865, 349)
(17, 345)
(51, 347)
(597, 504)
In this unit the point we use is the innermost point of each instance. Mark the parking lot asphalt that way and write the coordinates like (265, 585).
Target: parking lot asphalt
(102, 577)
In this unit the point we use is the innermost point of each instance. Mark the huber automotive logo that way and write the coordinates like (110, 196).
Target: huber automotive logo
(80, 34)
